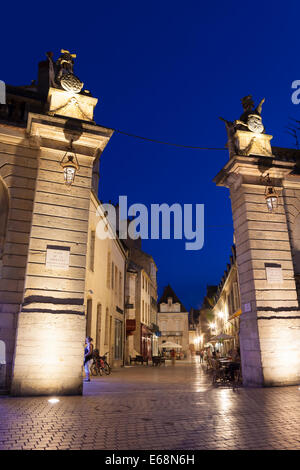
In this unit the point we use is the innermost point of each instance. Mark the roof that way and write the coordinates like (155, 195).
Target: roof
(168, 292)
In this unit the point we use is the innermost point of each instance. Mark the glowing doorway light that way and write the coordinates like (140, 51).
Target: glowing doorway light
(53, 400)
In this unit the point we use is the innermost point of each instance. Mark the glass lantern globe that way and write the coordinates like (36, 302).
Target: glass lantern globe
(70, 167)
(69, 175)
(271, 199)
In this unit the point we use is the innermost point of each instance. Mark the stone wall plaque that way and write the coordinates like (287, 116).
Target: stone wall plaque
(274, 273)
(58, 257)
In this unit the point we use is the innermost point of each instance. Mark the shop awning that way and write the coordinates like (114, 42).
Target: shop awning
(170, 345)
(221, 337)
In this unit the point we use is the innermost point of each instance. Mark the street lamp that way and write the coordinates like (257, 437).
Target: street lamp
(70, 165)
(271, 198)
(271, 195)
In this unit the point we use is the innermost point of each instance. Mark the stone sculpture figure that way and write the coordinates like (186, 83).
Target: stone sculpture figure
(65, 63)
(65, 77)
(251, 118)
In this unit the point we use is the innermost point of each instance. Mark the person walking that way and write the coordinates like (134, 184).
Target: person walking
(88, 355)
(201, 356)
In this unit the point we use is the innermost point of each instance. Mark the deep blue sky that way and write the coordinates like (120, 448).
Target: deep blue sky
(168, 70)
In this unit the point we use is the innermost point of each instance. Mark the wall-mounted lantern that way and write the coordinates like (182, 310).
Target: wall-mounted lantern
(271, 199)
(271, 195)
(70, 165)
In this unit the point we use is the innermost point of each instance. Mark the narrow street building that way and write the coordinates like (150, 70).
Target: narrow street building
(195, 343)
(104, 286)
(173, 320)
(206, 315)
(140, 303)
(225, 310)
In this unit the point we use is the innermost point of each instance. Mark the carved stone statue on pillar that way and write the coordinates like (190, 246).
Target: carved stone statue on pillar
(246, 135)
(66, 96)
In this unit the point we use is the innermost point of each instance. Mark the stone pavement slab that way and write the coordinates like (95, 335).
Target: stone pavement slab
(155, 408)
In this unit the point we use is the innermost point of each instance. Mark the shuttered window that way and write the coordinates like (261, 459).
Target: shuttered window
(92, 250)
(108, 270)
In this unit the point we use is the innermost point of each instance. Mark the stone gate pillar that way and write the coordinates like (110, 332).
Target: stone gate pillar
(51, 324)
(265, 251)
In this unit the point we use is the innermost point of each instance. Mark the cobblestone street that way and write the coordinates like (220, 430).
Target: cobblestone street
(140, 407)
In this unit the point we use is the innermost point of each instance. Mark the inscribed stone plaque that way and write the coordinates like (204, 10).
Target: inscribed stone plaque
(274, 273)
(58, 257)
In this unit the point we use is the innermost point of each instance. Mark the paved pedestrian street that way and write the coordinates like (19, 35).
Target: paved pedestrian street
(156, 408)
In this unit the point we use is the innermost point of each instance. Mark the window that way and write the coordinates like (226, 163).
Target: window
(120, 289)
(143, 306)
(98, 330)
(116, 281)
(231, 303)
(92, 250)
(118, 339)
(89, 317)
(112, 275)
(106, 340)
(2, 353)
(236, 300)
(108, 270)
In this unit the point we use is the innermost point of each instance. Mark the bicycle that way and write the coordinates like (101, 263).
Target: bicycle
(100, 364)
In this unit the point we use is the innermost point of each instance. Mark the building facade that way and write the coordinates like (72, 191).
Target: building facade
(140, 303)
(195, 336)
(206, 315)
(225, 310)
(173, 321)
(104, 286)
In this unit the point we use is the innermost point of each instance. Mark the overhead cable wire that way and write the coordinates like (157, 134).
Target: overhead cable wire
(168, 143)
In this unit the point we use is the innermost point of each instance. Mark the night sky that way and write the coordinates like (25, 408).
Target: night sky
(167, 70)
